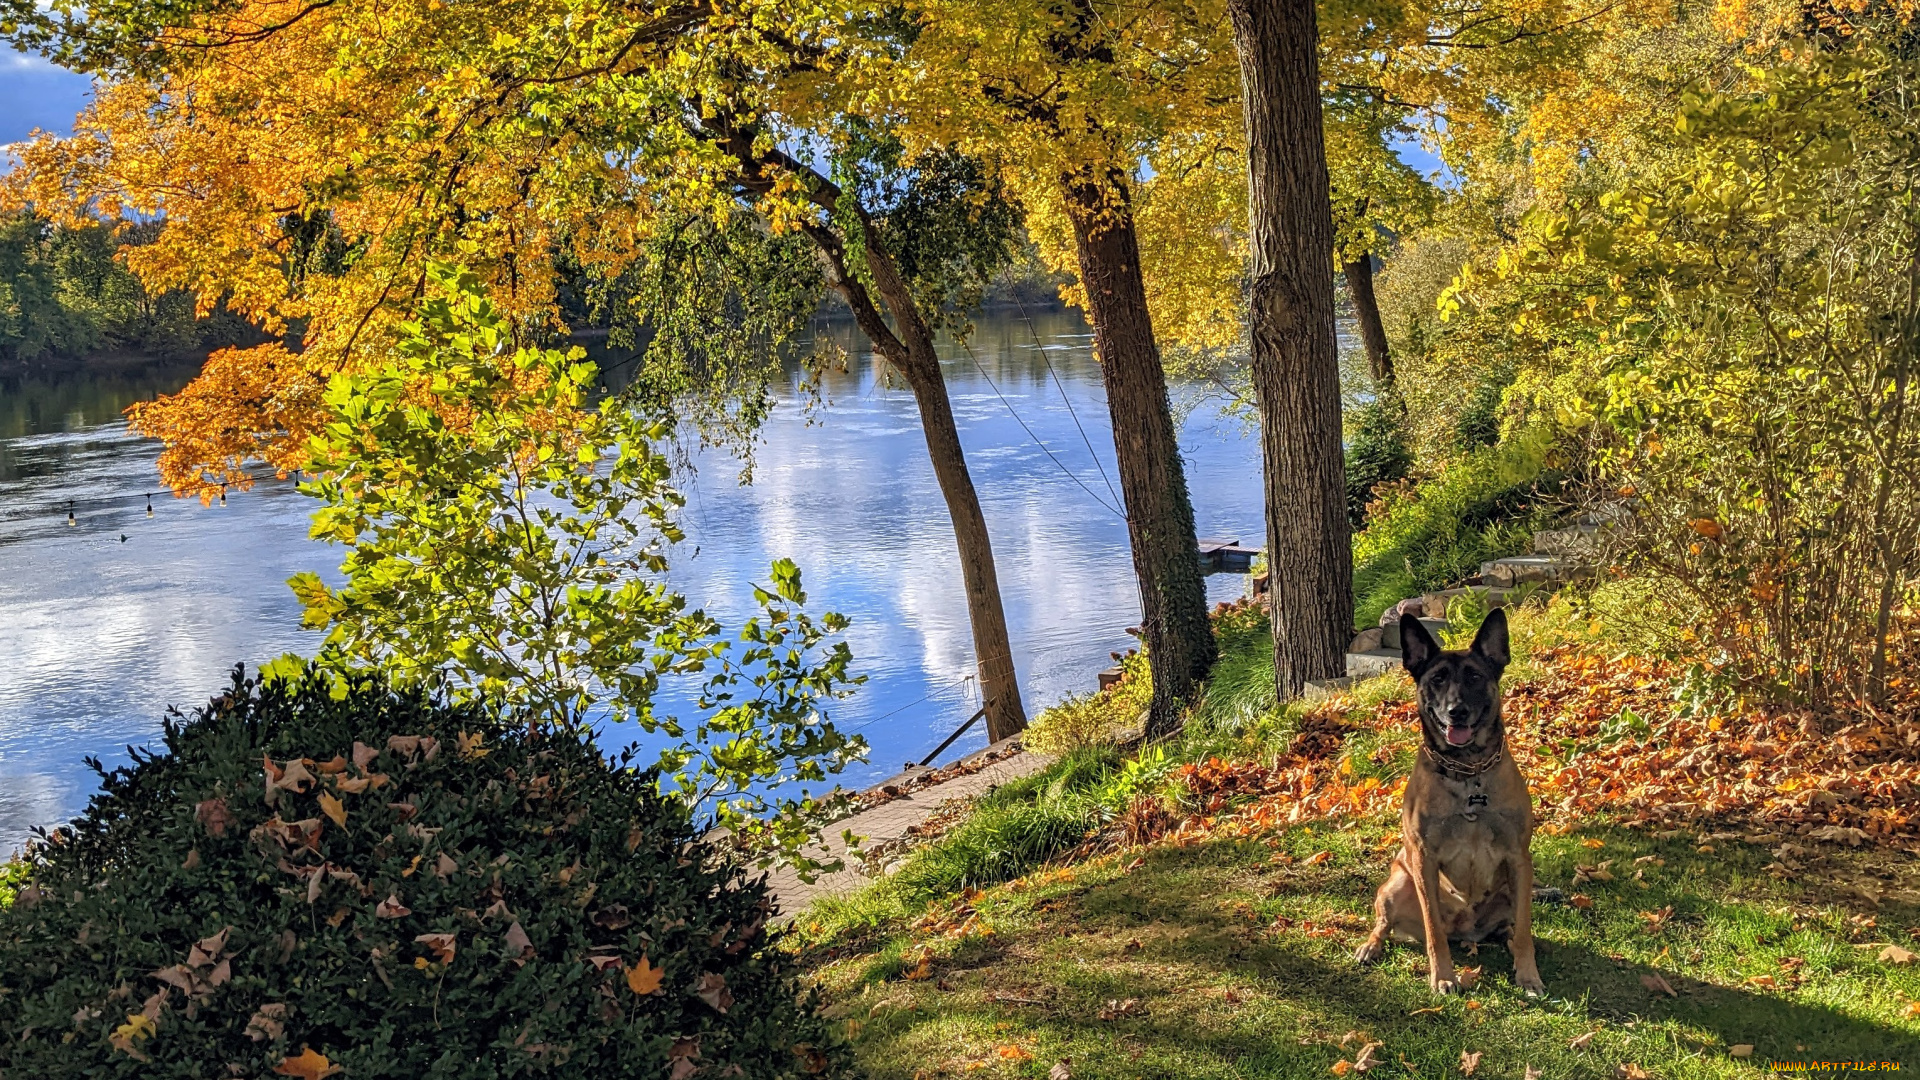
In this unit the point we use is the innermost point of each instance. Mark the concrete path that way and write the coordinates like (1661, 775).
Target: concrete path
(889, 822)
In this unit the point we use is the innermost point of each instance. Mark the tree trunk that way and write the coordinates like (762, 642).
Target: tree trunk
(999, 683)
(1366, 312)
(1296, 370)
(908, 346)
(1153, 481)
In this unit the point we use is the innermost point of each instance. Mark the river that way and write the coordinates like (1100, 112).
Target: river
(110, 620)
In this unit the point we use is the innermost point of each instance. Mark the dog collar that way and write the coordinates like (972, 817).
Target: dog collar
(1455, 771)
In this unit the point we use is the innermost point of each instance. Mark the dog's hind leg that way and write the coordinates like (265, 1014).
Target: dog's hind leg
(1395, 912)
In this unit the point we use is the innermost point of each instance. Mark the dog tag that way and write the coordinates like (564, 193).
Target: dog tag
(1476, 800)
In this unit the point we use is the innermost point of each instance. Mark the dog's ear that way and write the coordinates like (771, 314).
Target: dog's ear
(1418, 650)
(1490, 644)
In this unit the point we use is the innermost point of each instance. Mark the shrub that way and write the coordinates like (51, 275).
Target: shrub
(1098, 719)
(1377, 453)
(322, 876)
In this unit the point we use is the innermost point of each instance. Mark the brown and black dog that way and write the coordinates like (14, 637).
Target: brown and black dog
(1465, 867)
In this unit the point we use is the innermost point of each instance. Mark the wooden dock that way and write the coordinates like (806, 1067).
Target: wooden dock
(1226, 556)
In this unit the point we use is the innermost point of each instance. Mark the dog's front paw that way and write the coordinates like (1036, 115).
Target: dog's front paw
(1445, 987)
(1530, 982)
(1368, 952)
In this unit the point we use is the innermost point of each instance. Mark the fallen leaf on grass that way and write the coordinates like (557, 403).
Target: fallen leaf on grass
(642, 978)
(1580, 900)
(443, 946)
(1581, 1042)
(391, 908)
(267, 1024)
(712, 989)
(1428, 1009)
(924, 968)
(335, 810)
(1061, 1070)
(1659, 985)
(518, 943)
(1115, 1009)
(1593, 843)
(308, 1065)
(1317, 858)
(1765, 982)
(1532, 1074)
(1469, 1061)
(1894, 954)
(1473, 1005)
(1467, 977)
(1740, 1050)
(1011, 1052)
(1362, 1061)
(1630, 1071)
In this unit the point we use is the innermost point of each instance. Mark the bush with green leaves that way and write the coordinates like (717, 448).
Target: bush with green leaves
(324, 876)
(1377, 453)
(506, 540)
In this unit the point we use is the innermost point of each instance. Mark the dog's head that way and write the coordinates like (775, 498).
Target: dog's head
(1459, 691)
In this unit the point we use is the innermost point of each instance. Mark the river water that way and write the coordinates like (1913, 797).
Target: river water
(106, 622)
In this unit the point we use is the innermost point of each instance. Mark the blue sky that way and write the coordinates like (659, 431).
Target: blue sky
(35, 94)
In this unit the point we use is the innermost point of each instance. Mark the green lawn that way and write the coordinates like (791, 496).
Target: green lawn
(1236, 964)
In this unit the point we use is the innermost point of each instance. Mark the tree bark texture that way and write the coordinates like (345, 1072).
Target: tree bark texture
(1153, 481)
(1296, 372)
(908, 346)
(1366, 312)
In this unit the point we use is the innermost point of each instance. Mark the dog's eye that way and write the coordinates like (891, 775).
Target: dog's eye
(1472, 676)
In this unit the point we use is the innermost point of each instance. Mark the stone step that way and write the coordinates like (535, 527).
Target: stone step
(1435, 603)
(1518, 569)
(1577, 541)
(1390, 638)
(1362, 665)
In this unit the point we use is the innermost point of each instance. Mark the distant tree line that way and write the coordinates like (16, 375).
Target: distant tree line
(66, 299)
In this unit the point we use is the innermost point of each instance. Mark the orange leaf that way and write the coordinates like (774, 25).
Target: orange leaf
(1580, 900)
(642, 977)
(1015, 1053)
(308, 1066)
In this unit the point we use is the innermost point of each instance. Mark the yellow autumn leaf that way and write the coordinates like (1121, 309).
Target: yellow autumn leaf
(643, 978)
(334, 809)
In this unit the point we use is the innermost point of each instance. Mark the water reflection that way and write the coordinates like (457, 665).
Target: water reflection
(99, 634)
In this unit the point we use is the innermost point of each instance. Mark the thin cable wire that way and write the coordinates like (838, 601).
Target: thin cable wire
(1071, 411)
(1051, 456)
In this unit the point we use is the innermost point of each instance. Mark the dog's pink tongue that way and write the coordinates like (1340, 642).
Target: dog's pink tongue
(1459, 736)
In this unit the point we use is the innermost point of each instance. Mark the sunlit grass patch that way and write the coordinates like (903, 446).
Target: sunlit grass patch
(1231, 958)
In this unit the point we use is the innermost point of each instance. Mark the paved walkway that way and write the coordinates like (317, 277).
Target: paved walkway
(889, 822)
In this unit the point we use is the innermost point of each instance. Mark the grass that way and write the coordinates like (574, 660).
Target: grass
(1485, 507)
(988, 954)
(1238, 965)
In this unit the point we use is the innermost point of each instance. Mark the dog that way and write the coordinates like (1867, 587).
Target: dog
(1464, 871)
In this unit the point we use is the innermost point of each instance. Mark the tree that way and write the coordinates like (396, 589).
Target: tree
(1747, 307)
(1296, 367)
(312, 160)
(502, 540)
(1064, 97)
